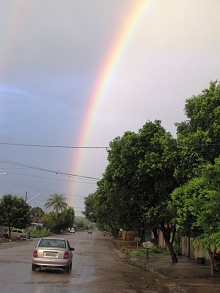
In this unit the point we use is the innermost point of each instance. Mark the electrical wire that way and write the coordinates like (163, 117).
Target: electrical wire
(53, 146)
(47, 170)
(55, 179)
(39, 189)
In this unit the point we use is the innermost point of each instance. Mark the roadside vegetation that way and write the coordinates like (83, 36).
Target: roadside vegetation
(159, 182)
(153, 181)
(39, 233)
(142, 252)
(14, 212)
(17, 213)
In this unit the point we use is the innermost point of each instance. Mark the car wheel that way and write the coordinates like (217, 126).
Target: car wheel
(68, 269)
(71, 266)
(34, 268)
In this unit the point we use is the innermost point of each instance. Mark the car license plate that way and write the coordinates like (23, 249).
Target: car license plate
(50, 254)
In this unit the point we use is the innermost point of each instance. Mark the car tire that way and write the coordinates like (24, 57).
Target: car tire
(67, 269)
(34, 268)
(71, 266)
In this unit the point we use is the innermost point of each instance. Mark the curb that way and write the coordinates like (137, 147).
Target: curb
(172, 286)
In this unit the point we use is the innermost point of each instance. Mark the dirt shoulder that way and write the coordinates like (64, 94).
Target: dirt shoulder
(185, 276)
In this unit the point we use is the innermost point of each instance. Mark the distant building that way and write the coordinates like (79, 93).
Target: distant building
(36, 222)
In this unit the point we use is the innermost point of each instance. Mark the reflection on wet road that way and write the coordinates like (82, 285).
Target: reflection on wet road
(97, 268)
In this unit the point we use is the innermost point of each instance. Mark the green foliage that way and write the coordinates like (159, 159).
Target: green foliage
(136, 252)
(198, 137)
(89, 208)
(84, 223)
(138, 179)
(146, 167)
(57, 202)
(39, 233)
(64, 220)
(68, 216)
(15, 212)
(198, 206)
(143, 252)
(137, 182)
(37, 212)
(156, 250)
(49, 221)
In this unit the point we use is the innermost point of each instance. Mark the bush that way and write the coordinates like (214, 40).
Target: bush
(139, 252)
(136, 253)
(39, 233)
(157, 250)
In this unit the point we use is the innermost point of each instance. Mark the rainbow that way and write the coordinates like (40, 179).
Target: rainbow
(106, 70)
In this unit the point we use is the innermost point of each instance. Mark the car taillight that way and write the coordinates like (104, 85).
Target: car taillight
(35, 253)
(66, 255)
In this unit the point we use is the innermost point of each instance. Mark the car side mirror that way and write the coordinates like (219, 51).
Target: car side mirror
(72, 249)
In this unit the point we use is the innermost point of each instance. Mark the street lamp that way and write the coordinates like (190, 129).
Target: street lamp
(32, 197)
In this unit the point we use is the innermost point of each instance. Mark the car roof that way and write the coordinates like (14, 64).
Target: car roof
(54, 238)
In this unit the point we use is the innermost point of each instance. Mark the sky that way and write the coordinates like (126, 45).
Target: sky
(76, 74)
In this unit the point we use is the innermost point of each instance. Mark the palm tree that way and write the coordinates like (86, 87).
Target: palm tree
(58, 202)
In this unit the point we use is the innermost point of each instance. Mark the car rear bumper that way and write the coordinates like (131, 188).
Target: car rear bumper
(51, 262)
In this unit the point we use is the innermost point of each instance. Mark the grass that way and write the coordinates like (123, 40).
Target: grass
(136, 253)
(39, 233)
(140, 252)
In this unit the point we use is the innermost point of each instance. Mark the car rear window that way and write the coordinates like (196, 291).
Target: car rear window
(52, 243)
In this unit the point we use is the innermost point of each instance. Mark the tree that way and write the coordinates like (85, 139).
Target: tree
(64, 220)
(83, 224)
(37, 212)
(138, 181)
(89, 212)
(198, 137)
(15, 212)
(57, 202)
(105, 212)
(68, 217)
(198, 206)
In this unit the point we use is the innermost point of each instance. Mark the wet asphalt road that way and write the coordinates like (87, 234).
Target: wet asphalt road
(98, 267)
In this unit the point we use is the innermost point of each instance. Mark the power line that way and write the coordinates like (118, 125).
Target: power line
(40, 189)
(47, 178)
(88, 147)
(53, 146)
(20, 185)
(47, 170)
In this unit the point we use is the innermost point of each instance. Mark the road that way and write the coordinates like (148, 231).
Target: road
(98, 267)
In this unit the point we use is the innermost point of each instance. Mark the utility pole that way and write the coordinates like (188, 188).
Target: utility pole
(26, 196)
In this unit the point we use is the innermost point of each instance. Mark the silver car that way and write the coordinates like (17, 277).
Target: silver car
(53, 253)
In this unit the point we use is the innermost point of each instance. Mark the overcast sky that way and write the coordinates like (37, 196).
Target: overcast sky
(52, 56)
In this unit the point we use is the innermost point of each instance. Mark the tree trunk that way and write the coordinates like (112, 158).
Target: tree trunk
(169, 234)
(115, 233)
(155, 236)
(172, 253)
(56, 211)
(141, 234)
(212, 273)
(211, 257)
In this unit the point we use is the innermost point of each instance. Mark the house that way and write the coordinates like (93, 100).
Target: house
(36, 223)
